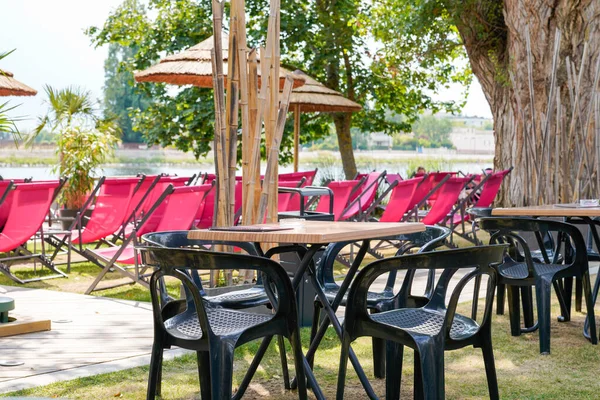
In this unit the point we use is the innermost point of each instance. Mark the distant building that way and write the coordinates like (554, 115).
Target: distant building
(476, 122)
(472, 141)
(378, 140)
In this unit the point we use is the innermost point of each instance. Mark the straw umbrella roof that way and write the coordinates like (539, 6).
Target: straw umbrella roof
(9, 86)
(194, 67)
(316, 97)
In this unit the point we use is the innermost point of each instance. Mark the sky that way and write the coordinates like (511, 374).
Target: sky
(51, 48)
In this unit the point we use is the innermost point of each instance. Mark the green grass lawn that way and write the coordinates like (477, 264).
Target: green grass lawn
(569, 372)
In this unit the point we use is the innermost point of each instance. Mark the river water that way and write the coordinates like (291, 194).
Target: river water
(325, 171)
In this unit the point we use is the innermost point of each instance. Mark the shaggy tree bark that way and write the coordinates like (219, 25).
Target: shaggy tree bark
(495, 34)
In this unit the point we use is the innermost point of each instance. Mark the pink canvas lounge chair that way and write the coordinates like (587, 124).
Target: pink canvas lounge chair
(109, 214)
(6, 196)
(447, 198)
(145, 201)
(401, 200)
(431, 183)
(306, 176)
(391, 178)
(342, 191)
(309, 176)
(28, 209)
(175, 209)
(289, 201)
(487, 190)
(437, 178)
(364, 201)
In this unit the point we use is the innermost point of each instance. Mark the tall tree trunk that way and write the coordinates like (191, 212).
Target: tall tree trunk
(343, 122)
(496, 42)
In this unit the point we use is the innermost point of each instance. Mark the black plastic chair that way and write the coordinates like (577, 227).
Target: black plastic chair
(254, 296)
(429, 330)
(520, 269)
(547, 243)
(428, 240)
(213, 331)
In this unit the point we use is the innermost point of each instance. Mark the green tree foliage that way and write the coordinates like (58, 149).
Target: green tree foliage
(435, 131)
(120, 92)
(351, 46)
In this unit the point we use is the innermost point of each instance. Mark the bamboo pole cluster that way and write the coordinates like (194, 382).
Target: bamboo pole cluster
(259, 109)
(561, 146)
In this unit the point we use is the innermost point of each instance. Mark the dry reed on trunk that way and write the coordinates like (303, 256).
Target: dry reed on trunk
(563, 168)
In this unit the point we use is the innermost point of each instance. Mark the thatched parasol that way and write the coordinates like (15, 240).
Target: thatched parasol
(315, 97)
(193, 67)
(9, 86)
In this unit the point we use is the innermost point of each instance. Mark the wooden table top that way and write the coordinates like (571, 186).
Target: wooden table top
(314, 232)
(548, 211)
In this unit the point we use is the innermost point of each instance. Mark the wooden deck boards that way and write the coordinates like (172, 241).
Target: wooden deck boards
(103, 335)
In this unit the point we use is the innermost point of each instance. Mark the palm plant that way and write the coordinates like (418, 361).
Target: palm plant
(84, 142)
(8, 124)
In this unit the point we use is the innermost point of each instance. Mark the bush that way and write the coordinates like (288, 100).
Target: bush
(404, 142)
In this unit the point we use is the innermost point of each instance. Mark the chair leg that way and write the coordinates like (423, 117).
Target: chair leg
(578, 294)
(586, 287)
(221, 369)
(159, 379)
(490, 369)
(514, 310)
(543, 288)
(568, 294)
(418, 378)
(315, 327)
(284, 364)
(393, 364)
(430, 355)
(500, 299)
(527, 301)
(155, 366)
(565, 307)
(204, 373)
(379, 358)
(298, 364)
(341, 383)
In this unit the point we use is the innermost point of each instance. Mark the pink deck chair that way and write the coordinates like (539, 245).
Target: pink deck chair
(158, 186)
(447, 198)
(28, 209)
(431, 183)
(6, 198)
(174, 210)
(391, 178)
(284, 199)
(307, 176)
(204, 215)
(438, 177)
(488, 189)
(364, 200)
(162, 182)
(400, 200)
(342, 190)
(109, 212)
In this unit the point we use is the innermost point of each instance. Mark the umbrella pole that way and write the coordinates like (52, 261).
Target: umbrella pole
(296, 135)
